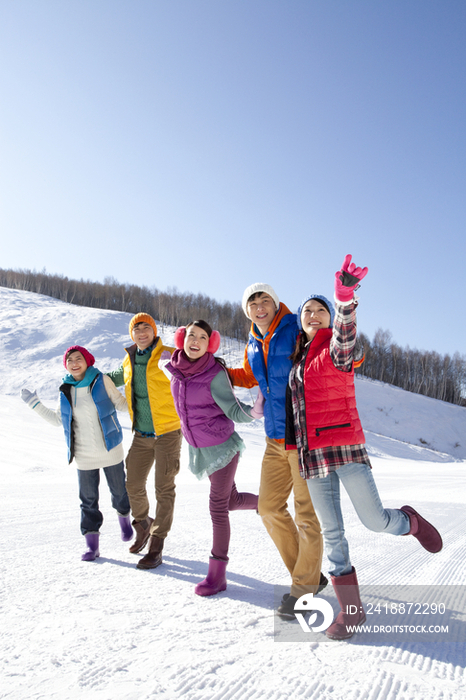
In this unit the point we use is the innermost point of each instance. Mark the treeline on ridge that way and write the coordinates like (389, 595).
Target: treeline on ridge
(421, 372)
(172, 307)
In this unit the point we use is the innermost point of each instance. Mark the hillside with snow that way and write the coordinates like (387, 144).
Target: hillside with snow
(105, 630)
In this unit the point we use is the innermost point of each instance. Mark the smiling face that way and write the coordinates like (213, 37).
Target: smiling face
(143, 335)
(314, 316)
(261, 311)
(76, 365)
(196, 342)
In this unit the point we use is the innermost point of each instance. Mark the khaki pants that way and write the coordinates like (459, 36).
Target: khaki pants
(299, 541)
(165, 451)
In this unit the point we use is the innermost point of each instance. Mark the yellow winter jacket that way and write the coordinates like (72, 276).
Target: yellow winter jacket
(164, 415)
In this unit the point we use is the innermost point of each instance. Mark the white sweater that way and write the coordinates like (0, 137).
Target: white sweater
(90, 450)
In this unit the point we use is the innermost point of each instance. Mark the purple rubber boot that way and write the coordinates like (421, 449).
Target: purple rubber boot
(92, 551)
(127, 532)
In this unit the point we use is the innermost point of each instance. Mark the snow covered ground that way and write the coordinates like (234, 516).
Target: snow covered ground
(105, 630)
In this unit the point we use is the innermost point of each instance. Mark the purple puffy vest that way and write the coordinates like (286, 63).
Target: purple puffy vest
(203, 423)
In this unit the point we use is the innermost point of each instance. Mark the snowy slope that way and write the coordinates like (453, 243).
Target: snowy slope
(420, 420)
(106, 630)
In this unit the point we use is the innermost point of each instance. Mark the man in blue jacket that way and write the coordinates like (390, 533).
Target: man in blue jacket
(272, 339)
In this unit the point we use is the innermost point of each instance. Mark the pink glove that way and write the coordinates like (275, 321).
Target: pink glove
(257, 411)
(347, 279)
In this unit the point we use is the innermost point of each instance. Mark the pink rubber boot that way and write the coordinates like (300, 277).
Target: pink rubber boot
(215, 581)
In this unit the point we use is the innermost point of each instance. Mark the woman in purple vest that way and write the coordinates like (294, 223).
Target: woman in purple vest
(207, 407)
(323, 423)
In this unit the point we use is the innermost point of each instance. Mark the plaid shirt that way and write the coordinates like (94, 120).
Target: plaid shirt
(320, 462)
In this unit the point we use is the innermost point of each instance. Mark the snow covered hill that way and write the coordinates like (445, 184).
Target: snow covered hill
(106, 630)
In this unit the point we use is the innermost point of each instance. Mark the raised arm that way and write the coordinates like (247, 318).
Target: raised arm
(48, 414)
(344, 334)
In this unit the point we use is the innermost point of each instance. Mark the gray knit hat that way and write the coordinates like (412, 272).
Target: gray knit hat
(255, 288)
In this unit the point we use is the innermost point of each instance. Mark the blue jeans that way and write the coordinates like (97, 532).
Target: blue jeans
(88, 480)
(360, 487)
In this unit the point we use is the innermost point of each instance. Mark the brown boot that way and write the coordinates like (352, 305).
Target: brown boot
(142, 534)
(426, 534)
(153, 558)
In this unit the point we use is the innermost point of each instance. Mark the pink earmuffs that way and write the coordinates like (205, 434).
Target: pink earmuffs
(214, 340)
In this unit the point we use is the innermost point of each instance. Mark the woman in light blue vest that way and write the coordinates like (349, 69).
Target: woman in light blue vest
(86, 410)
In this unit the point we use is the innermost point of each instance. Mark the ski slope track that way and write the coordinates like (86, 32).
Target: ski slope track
(107, 631)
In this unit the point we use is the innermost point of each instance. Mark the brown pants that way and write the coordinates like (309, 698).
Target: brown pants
(299, 541)
(165, 451)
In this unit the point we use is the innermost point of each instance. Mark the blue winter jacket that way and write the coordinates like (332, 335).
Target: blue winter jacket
(273, 379)
(111, 428)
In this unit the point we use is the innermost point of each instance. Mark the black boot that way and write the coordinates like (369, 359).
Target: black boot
(286, 607)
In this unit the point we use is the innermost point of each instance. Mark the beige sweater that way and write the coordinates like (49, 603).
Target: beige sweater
(89, 445)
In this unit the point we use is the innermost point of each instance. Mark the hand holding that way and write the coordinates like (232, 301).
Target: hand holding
(347, 279)
(257, 410)
(164, 359)
(29, 397)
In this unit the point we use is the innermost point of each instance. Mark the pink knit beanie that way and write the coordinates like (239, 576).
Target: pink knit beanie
(90, 359)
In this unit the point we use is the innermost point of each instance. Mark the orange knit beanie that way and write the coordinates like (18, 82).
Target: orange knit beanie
(142, 318)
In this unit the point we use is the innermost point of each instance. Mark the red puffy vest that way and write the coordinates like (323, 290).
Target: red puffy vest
(332, 419)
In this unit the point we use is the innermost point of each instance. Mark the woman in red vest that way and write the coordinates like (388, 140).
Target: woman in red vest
(323, 424)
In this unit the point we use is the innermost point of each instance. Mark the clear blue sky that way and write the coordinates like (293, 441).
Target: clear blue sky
(209, 144)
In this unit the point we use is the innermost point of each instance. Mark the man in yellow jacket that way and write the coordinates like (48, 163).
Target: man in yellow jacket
(156, 437)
